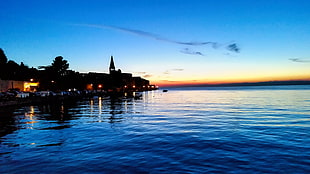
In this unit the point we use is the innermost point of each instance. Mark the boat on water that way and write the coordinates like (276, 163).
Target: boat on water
(165, 90)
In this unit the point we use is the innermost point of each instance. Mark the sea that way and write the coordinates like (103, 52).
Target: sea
(253, 129)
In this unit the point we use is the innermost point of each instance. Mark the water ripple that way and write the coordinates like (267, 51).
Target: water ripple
(182, 131)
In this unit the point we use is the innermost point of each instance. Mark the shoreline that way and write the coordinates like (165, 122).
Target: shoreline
(11, 102)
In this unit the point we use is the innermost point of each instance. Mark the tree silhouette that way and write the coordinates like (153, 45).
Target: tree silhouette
(13, 69)
(55, 74)
(52, 77)
(3, 61)
(3, 58)
(60, 66)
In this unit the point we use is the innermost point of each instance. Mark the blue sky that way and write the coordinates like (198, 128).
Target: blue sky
(152, 38)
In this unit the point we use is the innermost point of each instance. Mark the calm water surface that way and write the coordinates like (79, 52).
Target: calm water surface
(189, 130)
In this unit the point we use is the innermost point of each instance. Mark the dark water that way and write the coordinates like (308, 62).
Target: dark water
(199, 130)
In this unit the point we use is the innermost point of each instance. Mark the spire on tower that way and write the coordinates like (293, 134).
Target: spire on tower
(112, 66)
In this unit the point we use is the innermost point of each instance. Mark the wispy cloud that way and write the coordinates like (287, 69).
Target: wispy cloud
(300, 60)
(189, 51)
(233, 47)
(144, 74)
(169, 71)
(146, 34)
(140, 72)
(170, 81)
(215, 45)
(166, 72)
(147, 75)
(177, 69)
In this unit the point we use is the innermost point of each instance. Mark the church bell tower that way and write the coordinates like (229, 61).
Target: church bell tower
(112, 66)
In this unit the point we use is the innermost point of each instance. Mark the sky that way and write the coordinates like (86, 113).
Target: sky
(169, 42)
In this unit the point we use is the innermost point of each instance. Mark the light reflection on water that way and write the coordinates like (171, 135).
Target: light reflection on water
(182, 131)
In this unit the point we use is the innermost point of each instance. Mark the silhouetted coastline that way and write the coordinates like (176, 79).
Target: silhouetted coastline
(21, 85)
(58, 77)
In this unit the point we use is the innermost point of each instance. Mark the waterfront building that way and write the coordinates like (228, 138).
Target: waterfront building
(29, 86)
(115, 81)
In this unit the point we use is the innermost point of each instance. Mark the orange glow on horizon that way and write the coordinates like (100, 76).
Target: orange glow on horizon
(167, 83)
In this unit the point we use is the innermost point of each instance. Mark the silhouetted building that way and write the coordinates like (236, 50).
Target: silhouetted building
(28, 86)
(112, 66)
(115, 81)
(95, 81)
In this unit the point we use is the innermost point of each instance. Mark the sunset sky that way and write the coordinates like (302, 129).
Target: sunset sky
(164, 41)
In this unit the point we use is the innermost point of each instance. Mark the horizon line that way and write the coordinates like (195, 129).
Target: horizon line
(260, 83)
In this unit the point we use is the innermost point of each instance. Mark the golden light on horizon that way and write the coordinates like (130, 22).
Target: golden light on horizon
(227, 80)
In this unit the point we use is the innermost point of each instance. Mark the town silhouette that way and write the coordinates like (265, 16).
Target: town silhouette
(58, 77)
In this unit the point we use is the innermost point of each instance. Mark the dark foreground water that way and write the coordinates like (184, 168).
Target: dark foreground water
(198, 130)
